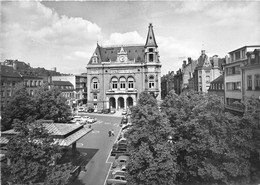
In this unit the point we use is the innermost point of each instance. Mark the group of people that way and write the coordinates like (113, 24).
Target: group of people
(111, 133)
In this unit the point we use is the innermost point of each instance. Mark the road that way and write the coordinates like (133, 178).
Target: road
(97, 145)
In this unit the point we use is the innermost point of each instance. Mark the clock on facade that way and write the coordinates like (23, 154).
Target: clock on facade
(122, 58)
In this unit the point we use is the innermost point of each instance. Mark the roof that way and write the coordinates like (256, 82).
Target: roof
(62, 83)
(134, 52)
(252, 46)
(71, 133)
(219, 79)
(8, 71)
(150, 40)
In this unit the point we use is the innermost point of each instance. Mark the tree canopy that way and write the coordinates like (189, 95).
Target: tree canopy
(150, 161)
(46, 104)
(32, 152)
(209, 145)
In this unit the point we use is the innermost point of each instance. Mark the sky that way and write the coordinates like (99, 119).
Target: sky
(64, 34)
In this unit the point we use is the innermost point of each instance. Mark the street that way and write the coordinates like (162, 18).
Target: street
(97, 145)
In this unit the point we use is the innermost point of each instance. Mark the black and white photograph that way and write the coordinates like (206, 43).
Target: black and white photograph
(148, 92)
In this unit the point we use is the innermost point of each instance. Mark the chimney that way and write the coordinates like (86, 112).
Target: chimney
(215, 60)
(189, 60)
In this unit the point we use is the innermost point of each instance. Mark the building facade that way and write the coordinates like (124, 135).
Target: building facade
(9, 79)
(77, 93)
(178, 81)
(251, 75)
(188, 70)
(217, 87)
(207, 70)
(234, 78)
(118, 74)
(167, 84)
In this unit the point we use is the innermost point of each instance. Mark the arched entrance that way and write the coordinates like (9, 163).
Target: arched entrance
(112, 103)
(129, 101)
(121, 103)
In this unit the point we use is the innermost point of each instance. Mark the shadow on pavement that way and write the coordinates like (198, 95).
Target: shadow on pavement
(90, 152)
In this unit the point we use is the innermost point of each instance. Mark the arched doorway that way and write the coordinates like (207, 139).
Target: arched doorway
(121, 103)
(129, 101)
(112, 103)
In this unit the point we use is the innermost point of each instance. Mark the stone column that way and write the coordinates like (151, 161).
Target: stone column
(125, 101)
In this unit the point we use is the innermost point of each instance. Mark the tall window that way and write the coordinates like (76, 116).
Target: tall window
(130, 83)
(200, 79)
(95, 97)
(257, 82)
(95, 83)
(122, 83)
(207, 79)
(114, 83)
(249, 82)
(151, 82)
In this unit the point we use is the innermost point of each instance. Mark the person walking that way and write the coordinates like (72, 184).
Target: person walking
(112, 132)
(109, 133)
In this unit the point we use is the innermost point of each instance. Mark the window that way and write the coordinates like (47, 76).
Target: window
(35, 83)
(151, 82)
(233, 70)
(39, 83)
(122, 83)
(130, 83)
(95, 97)
(207, 79)
(233, 86)
(151, 56)
(257, 82)
(31, 83)
(2, 94)
(114, 83)
(13, 83)
(252, 59)
(150, 49)
(3, 83)
(249, 82)
(243, 53)
(94, 60)
(200, 80)
(95, 83)
(237, 55)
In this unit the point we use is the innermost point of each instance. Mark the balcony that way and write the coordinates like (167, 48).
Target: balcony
(122, 91)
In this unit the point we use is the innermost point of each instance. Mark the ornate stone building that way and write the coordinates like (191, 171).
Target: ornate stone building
(118, 74)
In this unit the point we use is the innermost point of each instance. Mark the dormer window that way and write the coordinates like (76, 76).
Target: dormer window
(94, 60)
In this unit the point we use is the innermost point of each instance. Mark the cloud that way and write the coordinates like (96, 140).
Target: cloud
(31, 31)
(125, 38)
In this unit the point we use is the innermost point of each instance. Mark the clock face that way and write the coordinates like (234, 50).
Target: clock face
(122, 58)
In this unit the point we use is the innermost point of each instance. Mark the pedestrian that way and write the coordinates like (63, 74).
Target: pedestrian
(112, 132)
(109, 133)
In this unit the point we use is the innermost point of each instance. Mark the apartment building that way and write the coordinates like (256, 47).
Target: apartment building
(239, 74)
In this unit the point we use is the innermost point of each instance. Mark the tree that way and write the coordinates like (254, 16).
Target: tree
(212, 146)
(151, 161)
(32, 152)
(21, 106)
(51, 105)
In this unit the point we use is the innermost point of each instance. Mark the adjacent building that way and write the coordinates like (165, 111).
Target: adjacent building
(217, 87)
(240, 70)
(167, 84)
(118, 74)
(9, 79)
(207, 70)
(251, 75)
(178, 81)
(74, 87)
(188, 70)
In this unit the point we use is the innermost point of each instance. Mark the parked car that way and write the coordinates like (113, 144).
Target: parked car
(112, 111)
(90, 110)
(118, 150)
(105, 111)
(91, 120)
(81, 109)
(124, 112)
